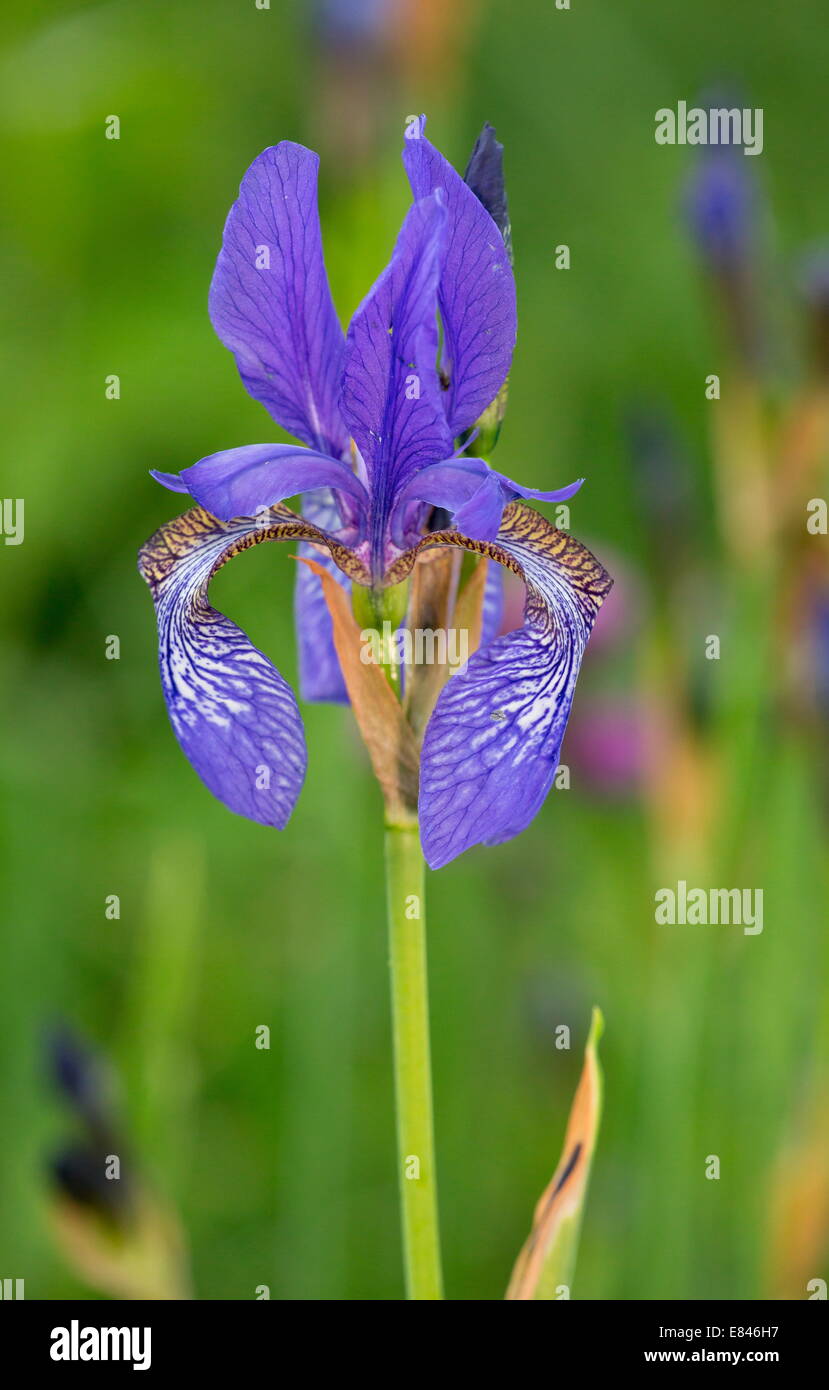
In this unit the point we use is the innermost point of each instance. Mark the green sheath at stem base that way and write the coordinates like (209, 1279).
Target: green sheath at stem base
(412, 1065)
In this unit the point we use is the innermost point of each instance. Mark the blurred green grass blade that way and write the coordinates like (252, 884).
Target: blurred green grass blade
(160, 1014)
(547, 1261)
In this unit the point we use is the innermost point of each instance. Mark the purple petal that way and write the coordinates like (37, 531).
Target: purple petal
(391, 396)
(721, 207)
(270, 302)
(479, 515)
(320, 675)
(484, 174)
(234, 715)
(493, 606)
(240, 482)
(477, 288)
(492, 746)
(474, 494)
(173, 481)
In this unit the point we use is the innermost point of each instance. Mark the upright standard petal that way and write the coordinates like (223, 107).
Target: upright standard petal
(270, 302)
(234, 715)
(391, 396)
(240, 482)
(477, 288)
(491, 748)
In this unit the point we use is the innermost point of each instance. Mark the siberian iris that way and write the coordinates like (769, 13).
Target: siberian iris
(386, 415)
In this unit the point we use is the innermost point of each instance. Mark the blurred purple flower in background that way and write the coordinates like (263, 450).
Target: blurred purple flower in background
(353, 41)
(364, 54)
(820, 634)
(606, 745)
(664, 489)
(607, 737)
(86, 1084)
(721, 207)
(113, 1231)
(351, 23)
(814, 287)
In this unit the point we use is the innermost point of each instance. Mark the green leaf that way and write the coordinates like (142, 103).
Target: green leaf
(544, 1269)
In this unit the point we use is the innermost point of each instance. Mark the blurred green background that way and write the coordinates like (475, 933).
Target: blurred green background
(281, 1162)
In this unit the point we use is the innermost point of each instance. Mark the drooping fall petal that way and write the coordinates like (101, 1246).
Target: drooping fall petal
(491, 748)
(234, 715)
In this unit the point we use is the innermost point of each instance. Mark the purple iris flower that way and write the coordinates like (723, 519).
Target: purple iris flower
(721, 205)
(382, 413)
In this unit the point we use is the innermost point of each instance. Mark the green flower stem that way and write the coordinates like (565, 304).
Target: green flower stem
(412, 1065)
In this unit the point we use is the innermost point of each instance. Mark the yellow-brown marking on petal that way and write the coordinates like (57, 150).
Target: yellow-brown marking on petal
(522, 526)
(178, 537)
